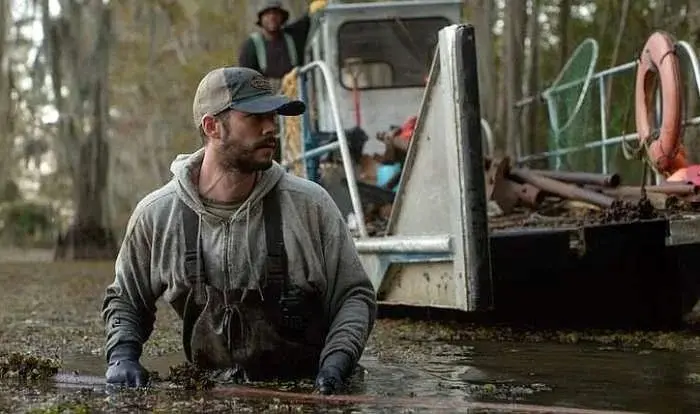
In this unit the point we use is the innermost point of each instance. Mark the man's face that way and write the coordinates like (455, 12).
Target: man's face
(246, 142)
(271, 20)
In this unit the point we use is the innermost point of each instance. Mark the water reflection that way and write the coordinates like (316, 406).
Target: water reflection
(544, 374)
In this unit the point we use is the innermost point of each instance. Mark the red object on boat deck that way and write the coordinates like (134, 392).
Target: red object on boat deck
(406, 130)
(689, 174)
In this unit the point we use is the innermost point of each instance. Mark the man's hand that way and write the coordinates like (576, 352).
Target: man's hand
(335, 369)
(124, 368)
(328, 382)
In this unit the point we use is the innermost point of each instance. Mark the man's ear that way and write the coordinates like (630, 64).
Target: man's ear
(209, 126)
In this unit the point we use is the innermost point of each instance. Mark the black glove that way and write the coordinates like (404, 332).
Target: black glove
(336, 368)
(124, 368)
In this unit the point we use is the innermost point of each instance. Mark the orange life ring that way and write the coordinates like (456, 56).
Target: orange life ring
(659, 59)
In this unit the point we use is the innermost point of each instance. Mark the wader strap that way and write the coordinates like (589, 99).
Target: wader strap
(261, 52)
(190, 220)
(276, 253)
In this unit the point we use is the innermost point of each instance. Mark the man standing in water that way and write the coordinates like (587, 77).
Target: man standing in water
(258, 263)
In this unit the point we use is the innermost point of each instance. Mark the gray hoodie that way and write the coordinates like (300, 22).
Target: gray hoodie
(320, 250)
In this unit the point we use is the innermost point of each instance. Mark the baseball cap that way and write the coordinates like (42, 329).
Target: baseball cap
(242, 89)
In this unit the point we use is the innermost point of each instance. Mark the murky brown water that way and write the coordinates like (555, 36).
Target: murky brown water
(53, 309)
(582, 376)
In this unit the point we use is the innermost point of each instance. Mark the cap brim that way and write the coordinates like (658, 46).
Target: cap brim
(271, 103)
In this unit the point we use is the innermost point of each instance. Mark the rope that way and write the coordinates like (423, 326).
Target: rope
(292, 140)
(641, 152)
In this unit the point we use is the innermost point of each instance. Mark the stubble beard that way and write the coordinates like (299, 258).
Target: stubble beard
(238, 158)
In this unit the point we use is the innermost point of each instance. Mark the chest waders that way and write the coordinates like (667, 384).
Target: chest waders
(277, 337)
(261, 51)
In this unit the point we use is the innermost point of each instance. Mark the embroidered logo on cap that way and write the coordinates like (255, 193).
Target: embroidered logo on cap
(258, 82)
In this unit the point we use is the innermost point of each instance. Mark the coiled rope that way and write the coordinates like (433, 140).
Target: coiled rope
(292, 141)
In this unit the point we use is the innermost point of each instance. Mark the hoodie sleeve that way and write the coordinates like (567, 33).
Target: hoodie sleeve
(129, 306)
(350, 297)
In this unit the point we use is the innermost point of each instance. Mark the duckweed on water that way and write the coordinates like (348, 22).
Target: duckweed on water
(192, 378)
(27, 367)
(38, 322)
(189, 377)
(692, 378)
(63, 407)
(426, 331)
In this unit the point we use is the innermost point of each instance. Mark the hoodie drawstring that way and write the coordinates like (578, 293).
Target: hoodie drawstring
(199, 287)
(249, 257)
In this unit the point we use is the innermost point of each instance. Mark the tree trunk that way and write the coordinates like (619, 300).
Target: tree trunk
(515, 34)
(531, 111)
(6, 118)
(89, 237)
(622, 25)
(564, 15)
(483, 23)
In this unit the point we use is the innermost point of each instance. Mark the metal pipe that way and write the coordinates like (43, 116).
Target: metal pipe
(343, 142)
(488, 136)
(568, 191)
(310, 169)
(528, 194)
(678, 189)
(693, 57)
(575, 177)
(528, 100)
(603, 124)
(674, 188)
(658, 200)
(683, 46)
(375, 7)
(595, 144)
(476, 232)
(313, 153)
(602, 73)
(405, 244)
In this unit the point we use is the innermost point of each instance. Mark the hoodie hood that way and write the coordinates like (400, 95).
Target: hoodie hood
(185, 166)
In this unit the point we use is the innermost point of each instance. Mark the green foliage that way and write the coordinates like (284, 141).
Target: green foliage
(63, 408)
(27, 223)
(164, 47)
(169, 68)
(9, 191)
(601, 20)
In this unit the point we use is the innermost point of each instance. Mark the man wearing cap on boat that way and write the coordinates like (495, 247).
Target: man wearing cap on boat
(278, 47)
(258, 263)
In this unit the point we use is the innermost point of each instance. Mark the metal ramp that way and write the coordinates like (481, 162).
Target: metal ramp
(436, 252)
(439, 253)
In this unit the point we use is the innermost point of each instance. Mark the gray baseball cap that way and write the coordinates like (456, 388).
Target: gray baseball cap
(242, 89)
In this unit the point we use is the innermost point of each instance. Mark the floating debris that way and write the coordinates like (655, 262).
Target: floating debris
(27, 367)
(627, 211)
(190, 377)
